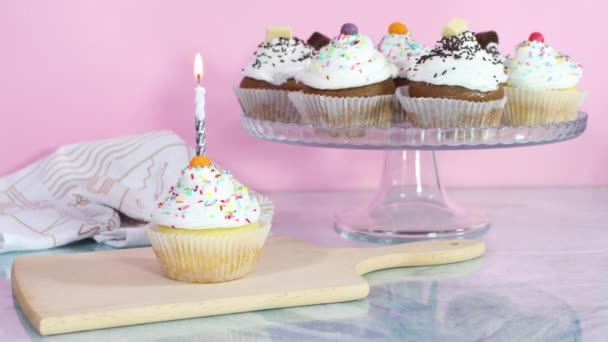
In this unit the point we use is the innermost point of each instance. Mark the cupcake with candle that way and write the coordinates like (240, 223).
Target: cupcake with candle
(403, 51)
(347, 84)
(269, 77)
(209, 228)
(542, 86)
(456, 85)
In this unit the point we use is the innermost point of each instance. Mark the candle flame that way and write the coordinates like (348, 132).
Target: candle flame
(198, 67)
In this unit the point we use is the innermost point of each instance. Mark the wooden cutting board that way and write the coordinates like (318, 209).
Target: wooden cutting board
(76, 292)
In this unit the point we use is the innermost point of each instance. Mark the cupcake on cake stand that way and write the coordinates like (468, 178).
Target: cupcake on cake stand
(411, 202)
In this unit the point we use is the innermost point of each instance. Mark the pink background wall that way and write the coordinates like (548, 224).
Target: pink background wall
(80, 70)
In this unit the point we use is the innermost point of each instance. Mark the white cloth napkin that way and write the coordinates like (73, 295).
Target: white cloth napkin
(102, 189)
(124, 237)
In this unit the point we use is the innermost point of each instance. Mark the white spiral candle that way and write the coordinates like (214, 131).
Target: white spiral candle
(199, 106)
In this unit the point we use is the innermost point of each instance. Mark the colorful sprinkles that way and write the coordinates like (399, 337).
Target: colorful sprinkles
(401, 50)
(343, 51)
(537, 59)
(197, 192)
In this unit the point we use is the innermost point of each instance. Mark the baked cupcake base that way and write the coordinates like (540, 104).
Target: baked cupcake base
(207, 256)
(401, 82)
(426, 90)
(526, 107)
(267, 104)
(386, 87)
(343, 112)
(449, 113)
(251, 83)
(360, 107)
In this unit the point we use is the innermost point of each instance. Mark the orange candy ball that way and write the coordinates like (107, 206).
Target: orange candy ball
(397, 28)
(200, 161)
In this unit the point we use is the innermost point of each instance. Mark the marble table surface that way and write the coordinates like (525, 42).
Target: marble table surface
(544, 278)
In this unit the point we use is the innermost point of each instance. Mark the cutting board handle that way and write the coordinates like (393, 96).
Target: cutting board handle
(423, 253)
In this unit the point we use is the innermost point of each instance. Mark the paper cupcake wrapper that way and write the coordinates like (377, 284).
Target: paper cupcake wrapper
(526, 107)
(199, 258)
(448, 113)
(343, 112)
(399, 115)
(267, 104)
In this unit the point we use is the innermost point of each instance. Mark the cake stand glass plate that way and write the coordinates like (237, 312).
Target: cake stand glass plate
(411, 203)
(407, 137)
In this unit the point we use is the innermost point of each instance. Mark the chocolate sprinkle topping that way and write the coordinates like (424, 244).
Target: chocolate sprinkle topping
(455, 47)
(283, 48)
(463, 46)
(493, 50)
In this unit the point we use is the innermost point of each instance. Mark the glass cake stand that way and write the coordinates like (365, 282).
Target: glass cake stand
(411, 203)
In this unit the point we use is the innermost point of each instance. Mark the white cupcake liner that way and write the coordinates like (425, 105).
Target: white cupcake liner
(267, 104)
(343, 112)
(399, 115)
(537, 107)
(202, 258)
(448, 113)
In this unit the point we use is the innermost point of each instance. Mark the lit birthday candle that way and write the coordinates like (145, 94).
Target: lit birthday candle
(199, 106)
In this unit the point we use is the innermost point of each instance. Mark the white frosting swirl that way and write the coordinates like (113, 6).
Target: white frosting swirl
(492, 49)
(460, 61)
(348, 61)
(207, 198)
(279, 60)
(536, 65)
(402, 51)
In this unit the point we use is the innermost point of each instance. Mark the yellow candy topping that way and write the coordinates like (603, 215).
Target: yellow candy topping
(200, 161)
(455, 27)
(397, 28)
(273, 32)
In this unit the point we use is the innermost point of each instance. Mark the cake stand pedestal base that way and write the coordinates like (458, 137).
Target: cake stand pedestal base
(411, 204)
